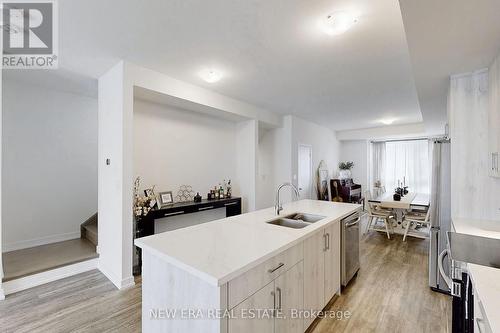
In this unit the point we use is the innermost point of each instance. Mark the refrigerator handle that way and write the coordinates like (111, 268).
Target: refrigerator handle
(446, 278)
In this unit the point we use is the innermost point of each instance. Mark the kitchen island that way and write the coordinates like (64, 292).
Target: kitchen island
(242, 274)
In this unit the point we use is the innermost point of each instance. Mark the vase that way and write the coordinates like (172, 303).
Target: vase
(345, 174)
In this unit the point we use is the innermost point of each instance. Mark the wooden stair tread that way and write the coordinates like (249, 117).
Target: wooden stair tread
(42, 258)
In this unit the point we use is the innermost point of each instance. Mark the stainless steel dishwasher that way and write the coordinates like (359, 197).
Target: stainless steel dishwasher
(350, 247)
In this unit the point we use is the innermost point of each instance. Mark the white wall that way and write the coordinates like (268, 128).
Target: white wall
(278, 156)
(265, 171)
(275, 162)
(247, 163)
(174, 147)
(49, 164)
(324, 147)
(115, 180)
(357, 152)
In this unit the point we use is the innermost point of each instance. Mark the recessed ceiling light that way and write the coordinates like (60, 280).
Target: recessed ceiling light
(211, 75)
(387, 121)
(337, 23)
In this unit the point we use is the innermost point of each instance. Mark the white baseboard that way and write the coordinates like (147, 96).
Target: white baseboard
(128, 282)
(34, 280)
(125, 283)
(24, 244)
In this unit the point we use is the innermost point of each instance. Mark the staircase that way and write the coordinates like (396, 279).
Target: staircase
(88, 229)
(42, 258)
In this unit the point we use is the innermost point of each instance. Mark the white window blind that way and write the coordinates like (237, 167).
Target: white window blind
(408, 160)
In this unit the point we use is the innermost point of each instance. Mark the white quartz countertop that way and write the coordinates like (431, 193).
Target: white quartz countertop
(221, 250)
(483, 228)
(486, 280)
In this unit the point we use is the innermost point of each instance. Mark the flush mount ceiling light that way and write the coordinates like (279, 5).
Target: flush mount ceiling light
(211, 75)
(387, 121)
(337, 23)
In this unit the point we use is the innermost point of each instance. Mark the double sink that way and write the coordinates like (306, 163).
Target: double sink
(297, 220)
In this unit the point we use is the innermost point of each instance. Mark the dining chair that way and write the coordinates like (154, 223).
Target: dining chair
(416, 217)
(375, 207)
(376, 213)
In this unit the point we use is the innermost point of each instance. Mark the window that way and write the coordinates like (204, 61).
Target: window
(408, 161)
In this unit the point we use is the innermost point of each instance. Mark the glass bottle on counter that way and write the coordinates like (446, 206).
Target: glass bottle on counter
(221, 192)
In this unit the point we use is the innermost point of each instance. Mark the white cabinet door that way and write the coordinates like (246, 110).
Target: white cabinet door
(245, 285)
(494, 119)
(289, 291)
(314, 274)
(263, 301)
(481, 323)
(332, 261)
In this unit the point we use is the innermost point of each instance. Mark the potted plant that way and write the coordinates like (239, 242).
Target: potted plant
(345, 169)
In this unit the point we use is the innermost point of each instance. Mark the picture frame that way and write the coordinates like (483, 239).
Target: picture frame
(165, 198)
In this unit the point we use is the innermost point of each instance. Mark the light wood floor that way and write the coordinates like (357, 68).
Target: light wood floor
(390, 294)
(37, 259)
(87, 302)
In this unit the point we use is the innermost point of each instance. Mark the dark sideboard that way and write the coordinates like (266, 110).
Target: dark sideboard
(146, 225)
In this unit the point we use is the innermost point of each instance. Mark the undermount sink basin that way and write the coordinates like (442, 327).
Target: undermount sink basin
(289, 223)
(309, 218)
(297, 220)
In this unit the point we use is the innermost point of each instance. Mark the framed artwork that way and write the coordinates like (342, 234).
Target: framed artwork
(165, 198)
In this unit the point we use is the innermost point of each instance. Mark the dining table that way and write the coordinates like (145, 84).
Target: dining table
(410, 201)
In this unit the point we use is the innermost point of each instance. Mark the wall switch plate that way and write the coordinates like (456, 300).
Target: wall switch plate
(108, 161)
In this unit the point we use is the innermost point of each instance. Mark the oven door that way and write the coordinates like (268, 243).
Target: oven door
(463, 304)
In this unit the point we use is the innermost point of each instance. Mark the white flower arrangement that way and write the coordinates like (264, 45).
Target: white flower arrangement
(143, 204)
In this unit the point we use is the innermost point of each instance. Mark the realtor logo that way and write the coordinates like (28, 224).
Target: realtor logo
(29, 31)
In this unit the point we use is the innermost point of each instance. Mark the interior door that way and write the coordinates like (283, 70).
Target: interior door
(289, 289)
(262, 300)
(305, 171)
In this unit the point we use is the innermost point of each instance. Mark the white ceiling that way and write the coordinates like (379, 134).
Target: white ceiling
(448, 37)
(272, 53)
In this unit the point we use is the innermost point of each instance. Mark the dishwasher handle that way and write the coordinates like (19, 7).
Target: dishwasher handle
(352, 224)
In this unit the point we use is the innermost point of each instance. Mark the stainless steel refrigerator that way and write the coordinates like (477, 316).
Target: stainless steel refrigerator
(440, 212)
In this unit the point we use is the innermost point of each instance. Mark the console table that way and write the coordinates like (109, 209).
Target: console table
(146, 225)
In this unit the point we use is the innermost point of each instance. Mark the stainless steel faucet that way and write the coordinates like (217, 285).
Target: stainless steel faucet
(277, 204)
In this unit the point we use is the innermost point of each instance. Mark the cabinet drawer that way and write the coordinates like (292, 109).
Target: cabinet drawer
(243, 286)
(481, 324)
